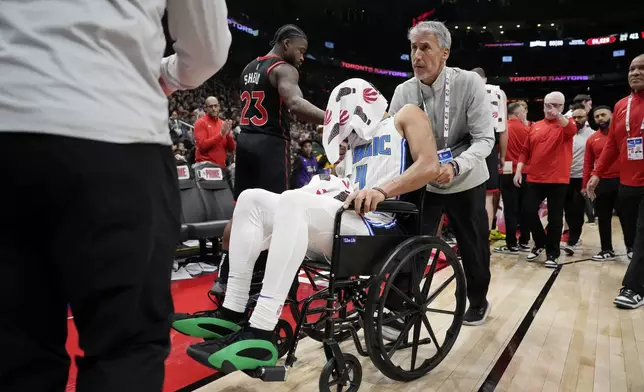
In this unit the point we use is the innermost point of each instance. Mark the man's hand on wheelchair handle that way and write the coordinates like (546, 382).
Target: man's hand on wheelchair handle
(364, 201)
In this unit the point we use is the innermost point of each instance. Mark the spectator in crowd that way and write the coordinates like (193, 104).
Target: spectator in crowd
(111, 184)
(625, 143)
(575, 203)
(525, 120)
(460, 111)
(513, 196)
(305, 165)
(607, 191)
(548, 153)
(213, 135)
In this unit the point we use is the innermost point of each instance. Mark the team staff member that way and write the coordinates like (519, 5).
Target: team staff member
(548, 152)
(607, 190)
(512, 195)
(625, 143)
(575, 203)
(460, 111)
(100, 148)
(213, 136)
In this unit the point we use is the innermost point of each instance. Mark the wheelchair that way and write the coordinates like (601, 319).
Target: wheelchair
(368, 277)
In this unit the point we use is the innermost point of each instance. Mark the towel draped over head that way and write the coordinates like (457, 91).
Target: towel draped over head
(356, 106)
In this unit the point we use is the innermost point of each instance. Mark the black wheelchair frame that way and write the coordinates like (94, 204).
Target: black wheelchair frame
(344, 368)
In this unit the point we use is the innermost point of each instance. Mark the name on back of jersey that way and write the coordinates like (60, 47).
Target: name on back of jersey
(252, 77)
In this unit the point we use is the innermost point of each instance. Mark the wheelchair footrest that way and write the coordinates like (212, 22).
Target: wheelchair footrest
(269, 373)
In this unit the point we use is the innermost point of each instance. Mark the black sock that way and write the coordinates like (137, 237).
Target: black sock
(223, 268)
(233, 316)
(259, 333)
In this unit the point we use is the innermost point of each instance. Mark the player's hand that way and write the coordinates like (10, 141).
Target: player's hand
(226, 128)
(364, 201)
(446, 174)
(584, 193)
(592, 185)
(518, 179)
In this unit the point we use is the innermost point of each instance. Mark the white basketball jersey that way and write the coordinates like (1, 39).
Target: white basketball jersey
(499, 110)
(378, 162)
(372, 164)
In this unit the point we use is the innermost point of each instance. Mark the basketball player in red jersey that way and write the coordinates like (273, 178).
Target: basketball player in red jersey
(269, 91)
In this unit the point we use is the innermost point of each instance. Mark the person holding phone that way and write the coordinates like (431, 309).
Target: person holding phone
(548, 152)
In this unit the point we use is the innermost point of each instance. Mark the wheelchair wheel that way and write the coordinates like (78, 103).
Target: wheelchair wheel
(331, 377)
(283, 337)
(403, 288)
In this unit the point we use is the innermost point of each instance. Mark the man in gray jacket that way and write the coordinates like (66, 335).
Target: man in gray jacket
(460, 111)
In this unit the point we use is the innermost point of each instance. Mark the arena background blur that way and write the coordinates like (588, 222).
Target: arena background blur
(528, 48)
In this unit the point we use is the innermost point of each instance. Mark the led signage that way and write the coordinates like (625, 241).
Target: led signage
(366, 68)
(243, 28)
(560, 78)
(422, 17)
(601, 40)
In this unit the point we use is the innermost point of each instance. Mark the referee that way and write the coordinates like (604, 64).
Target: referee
(91, 214)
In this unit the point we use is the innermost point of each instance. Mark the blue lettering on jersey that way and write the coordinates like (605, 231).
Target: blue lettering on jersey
(361, 175)
(379, 145)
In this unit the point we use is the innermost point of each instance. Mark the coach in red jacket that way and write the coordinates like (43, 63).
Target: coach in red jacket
(548, 152)
(625, 144)
(213, 136)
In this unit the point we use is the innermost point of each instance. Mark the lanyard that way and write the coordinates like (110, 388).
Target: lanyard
(448, 79)
(628, 118)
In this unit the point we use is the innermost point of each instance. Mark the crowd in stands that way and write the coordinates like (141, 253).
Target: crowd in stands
(186, 107)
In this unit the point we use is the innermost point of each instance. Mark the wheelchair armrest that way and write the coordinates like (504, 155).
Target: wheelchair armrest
(397, 206)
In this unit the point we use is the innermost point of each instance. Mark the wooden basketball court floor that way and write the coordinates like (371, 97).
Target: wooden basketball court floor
(548, 330)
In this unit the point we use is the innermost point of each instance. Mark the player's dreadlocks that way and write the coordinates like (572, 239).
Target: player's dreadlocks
(286, 32)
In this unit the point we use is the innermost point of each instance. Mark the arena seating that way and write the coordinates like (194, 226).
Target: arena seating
(206, 204)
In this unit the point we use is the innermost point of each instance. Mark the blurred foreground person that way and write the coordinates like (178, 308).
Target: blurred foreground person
(84, 91)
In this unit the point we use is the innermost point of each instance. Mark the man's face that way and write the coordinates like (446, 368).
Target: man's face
(427, 56)
(580, 117)
(602, 118)
(636, 74)
(294, 50)
(212, 107)
(306, 149)
(552, 106)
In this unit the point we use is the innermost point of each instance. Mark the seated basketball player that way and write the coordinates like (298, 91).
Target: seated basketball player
(390, 156)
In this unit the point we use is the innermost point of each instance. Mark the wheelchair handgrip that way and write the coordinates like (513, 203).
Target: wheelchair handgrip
(393, 206)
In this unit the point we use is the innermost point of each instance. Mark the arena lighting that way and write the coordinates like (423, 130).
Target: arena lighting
(539, 25)
(601, 40)
(423, 17)
(560, 78)
(379, 71)
(243, 28)
(404, 57)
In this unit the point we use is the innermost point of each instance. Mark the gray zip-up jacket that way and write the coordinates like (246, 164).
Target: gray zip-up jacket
(471, 133)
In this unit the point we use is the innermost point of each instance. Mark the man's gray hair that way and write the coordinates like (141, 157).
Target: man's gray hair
(437, 28)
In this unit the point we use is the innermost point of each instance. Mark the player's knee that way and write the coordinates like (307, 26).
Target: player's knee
(249, 197)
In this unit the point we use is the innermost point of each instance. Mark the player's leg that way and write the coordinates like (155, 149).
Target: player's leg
(301, 221)
(249, 236)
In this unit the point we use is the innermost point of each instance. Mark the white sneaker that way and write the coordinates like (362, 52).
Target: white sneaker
(534, 253)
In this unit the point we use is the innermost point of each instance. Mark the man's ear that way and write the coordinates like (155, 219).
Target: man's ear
(446, 53)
